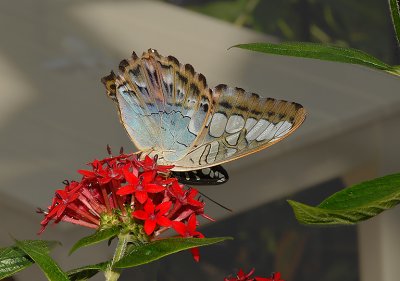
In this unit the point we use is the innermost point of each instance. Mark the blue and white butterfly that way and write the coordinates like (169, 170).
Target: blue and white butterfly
(168, 110)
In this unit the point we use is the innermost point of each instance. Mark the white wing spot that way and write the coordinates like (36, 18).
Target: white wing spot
(218, 124)
(212, 174)
(268, 133)
(284, 129)
(257, 130)
(233, 139)
(206, 171)
(250, 122)
(235, 124)
(275, 131)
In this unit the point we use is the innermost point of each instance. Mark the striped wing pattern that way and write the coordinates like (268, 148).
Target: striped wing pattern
(167, 109)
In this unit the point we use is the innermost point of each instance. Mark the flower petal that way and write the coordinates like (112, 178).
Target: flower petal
(195, 253)
(131, 178)
(148, 176)
(163, 221)
(87, 173)
(153, 188)
(127, 189)
(179, 227)
(149, 226)
(191, 225)
(149, 207)
(163, 207)
(140, 214)
(141, 196)
(104, 180)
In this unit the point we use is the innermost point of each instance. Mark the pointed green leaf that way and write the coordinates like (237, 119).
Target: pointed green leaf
(318, 51)
(155, 250)
(353, 204)
(395, 13)
(38, 250)
(95, 238)
(12, 260)
(86, 272)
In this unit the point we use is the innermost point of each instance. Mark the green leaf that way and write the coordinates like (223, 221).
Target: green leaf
(86, 272)
(394, 12)
(353, 204)
(38, 250)
(155, 250)
(12, 260)
(95, 238)
(318, 51)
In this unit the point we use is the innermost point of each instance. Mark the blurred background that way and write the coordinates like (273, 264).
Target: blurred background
(55, 117)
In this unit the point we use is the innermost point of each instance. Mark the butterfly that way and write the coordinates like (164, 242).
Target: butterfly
(168, 110)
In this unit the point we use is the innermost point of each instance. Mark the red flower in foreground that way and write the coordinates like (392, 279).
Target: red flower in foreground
(241, 276)
(140, 186)
(127, 191)
(153, 215)
(189, 230)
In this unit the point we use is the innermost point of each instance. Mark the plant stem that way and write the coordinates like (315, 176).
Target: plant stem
(111, 273)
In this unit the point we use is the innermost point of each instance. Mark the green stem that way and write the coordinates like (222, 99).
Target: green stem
(111, 273)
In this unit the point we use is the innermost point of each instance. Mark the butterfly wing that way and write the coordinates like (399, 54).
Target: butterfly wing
(208, 176)
(167, 109)
(136, 107)
(241, 123)
(163, 104)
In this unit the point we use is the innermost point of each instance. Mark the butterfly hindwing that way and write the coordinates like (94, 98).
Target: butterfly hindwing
(208, 176)
(241, 123)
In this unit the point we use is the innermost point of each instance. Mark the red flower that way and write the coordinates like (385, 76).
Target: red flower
(185, 197)
(64, 204)
(120, 186)
(153, 215)
(241, 276)
(103, 175)
(276, 276)
(140, 186)
(149, 164)
(189, 230)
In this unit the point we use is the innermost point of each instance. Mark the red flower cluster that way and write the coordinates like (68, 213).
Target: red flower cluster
(131, 193)
(241, 276)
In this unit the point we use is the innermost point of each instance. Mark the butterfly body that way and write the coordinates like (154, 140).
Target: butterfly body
(168, 110)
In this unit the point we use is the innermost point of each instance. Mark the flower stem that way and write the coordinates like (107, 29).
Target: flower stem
(111, 273)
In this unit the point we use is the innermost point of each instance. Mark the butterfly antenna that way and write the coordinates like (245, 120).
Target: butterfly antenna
(215, 202)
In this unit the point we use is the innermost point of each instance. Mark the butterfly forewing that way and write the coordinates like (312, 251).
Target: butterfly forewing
(139, 124)
(168, 110)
